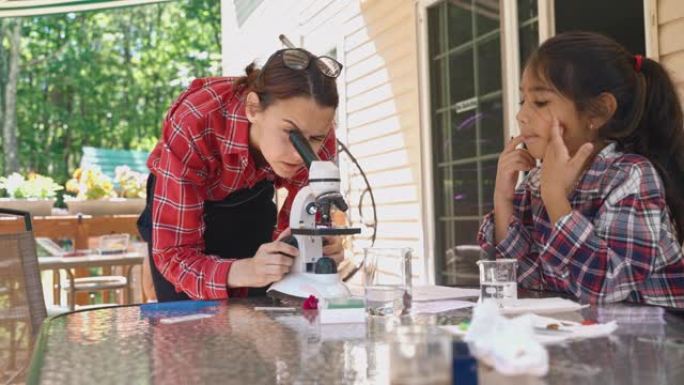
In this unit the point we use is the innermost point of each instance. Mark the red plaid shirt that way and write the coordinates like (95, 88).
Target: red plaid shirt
(617, 244)
(203, 154)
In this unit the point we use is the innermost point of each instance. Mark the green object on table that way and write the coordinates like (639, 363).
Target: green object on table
(464, 325)
(345, 303)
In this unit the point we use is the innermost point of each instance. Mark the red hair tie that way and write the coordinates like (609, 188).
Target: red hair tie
(638, 61)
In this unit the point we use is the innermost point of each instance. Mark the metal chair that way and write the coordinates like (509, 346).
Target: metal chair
(461, 265)
(22, 306)
(116, 283)
(119, 284)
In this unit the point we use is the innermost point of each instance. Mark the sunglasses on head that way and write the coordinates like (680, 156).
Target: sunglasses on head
(299, 59)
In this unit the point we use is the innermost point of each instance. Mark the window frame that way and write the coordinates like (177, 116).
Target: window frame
(510, 53)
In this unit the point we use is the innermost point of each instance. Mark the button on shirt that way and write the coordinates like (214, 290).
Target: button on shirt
(203, 154)
(618, 244)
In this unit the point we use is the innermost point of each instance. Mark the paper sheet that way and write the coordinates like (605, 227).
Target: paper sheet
(438, 293)
(540, 306)
(184, 318)
(434, 307)
(564, 330)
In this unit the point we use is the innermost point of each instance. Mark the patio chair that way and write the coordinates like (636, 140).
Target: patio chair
(22, 307)
(102, 283)
(93, 284)
(107, 160)
(461, 265)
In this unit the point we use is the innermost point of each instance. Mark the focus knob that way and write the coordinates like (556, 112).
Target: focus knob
(325, 265)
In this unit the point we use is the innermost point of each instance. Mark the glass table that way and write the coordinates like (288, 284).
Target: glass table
(195, 342)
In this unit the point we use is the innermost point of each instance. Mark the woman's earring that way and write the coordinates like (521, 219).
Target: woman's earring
(591, 126)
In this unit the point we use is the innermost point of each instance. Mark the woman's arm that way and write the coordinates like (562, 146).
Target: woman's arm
(177, 219)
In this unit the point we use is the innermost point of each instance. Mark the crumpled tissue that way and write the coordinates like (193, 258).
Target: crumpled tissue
(509, 345)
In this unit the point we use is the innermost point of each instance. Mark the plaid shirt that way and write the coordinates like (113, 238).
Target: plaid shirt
(203, 154)
(618, 243)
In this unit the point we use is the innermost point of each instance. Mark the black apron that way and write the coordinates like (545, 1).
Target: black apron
(234, 228)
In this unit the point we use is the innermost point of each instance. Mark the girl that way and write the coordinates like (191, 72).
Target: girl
(602, 218)
(224, 147)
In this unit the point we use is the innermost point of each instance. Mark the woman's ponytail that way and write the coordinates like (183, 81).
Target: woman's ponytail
(250, 78)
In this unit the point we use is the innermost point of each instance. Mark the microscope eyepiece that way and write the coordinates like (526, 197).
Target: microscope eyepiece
(303, 148)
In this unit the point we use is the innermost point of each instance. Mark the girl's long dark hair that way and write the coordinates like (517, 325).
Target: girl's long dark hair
(648, 119)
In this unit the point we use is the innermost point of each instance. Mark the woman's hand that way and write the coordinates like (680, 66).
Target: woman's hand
(270, 263)
(560, 172)
(333, 248)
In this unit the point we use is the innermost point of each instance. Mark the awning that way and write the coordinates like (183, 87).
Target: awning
(18, 8)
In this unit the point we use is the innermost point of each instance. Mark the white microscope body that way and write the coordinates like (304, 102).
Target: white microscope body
(312, 273)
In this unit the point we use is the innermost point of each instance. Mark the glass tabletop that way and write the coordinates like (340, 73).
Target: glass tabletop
(194, 342)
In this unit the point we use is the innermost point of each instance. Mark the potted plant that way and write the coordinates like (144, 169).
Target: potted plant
(131, 185)
(35, 193)
(94, 193)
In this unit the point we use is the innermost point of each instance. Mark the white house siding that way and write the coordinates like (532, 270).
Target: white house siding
(379, 110)
(671, 40)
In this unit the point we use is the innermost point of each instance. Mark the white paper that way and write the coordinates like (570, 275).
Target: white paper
(438, 293)
(540, 306)
(434, 307)
(566, 330)
(184, 318)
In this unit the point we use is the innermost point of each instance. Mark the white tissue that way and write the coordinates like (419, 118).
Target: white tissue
(508, 345)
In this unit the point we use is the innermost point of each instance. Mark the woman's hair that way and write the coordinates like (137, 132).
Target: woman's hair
(648, 119)
(276, 82)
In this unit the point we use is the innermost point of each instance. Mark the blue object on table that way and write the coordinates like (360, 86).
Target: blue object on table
(464, 365)
(177, 308)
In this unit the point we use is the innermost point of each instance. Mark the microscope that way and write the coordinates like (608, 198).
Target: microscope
(310, 219)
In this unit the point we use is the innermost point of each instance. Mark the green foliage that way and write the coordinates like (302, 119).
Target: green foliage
(106, 78)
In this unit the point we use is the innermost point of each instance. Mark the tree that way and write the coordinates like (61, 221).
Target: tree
(9, 128)
(101, 78)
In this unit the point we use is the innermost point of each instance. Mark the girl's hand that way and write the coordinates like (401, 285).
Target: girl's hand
(270, 263)
(333, 248)
(511, 162)
(559, 171)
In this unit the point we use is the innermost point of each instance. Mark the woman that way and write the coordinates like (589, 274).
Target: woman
(224, 149)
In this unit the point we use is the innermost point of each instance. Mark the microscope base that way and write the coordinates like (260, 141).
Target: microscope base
(303, 285)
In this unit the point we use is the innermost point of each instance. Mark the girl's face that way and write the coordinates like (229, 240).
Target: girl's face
(270, 128)
(539, 105)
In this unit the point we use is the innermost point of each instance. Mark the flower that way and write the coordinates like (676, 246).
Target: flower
(34, 186)
(131, 183)
(310, 303)
(90, 183)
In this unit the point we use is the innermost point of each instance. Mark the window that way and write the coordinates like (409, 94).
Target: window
(625, 26)
(465, 65)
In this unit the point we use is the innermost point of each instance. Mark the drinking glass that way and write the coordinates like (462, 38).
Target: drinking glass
(498, 280)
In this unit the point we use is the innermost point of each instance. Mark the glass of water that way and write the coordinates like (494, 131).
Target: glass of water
(498, 280)
(387, 281)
